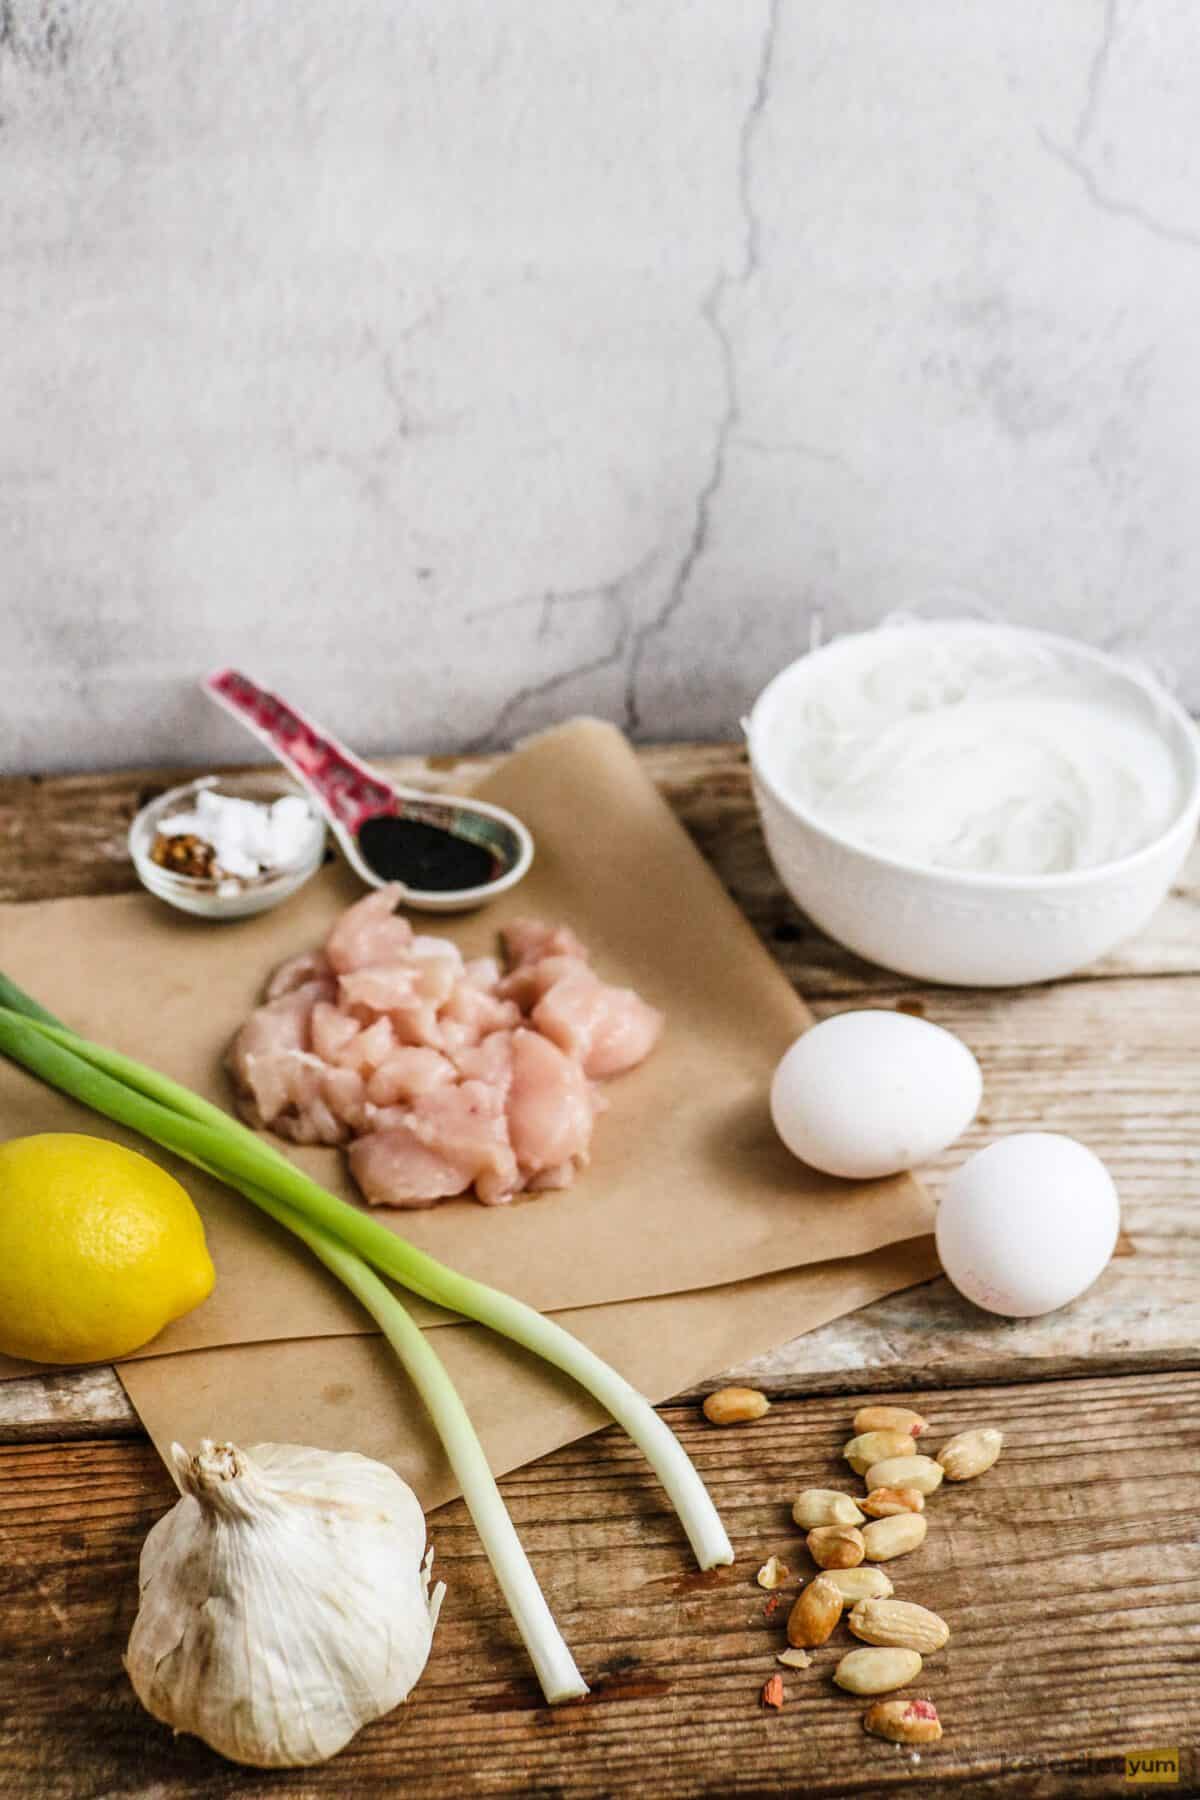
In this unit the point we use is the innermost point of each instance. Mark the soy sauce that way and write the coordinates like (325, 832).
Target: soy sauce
(424, 856)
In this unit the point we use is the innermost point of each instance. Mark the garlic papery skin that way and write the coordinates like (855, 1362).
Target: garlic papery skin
(284, 1601)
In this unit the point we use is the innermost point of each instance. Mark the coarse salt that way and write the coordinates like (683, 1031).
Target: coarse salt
(248, 838)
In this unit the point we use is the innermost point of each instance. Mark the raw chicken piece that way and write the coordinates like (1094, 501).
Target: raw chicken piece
(549, 1107)
(452, 1138)
(370, 932)
(466, 1125)
(394, 1168)
(531, 940)
(490, 1061)
(311, 965)
(607, 1029)
(378, 987)
(529, 981)
(410, 1070)
(281, 1029)
(394, 991)
(332, 1030)
(477, 1013)
(303, 1099)
(368, 1049)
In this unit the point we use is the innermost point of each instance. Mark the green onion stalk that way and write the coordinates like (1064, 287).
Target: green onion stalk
(171, 1115)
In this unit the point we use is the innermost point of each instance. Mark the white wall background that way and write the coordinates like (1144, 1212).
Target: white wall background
(458, 364)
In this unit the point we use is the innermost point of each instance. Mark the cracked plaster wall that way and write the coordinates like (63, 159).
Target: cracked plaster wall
(460, 365)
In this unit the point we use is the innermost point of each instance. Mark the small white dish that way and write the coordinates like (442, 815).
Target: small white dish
(967, 928)
(224, 897)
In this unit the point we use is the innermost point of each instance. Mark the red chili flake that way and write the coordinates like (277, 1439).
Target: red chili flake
(921, 1709)
(773, 1605)
(772, 1694)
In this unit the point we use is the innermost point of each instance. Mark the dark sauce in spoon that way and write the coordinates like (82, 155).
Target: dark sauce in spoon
(424, 856)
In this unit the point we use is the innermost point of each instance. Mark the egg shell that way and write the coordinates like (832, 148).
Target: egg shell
(866, 1094)
(1027, 1224)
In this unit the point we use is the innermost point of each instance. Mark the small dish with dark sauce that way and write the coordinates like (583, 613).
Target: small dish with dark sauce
(449, 853)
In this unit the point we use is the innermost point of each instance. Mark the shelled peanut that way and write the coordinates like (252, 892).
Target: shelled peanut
(889, 1522)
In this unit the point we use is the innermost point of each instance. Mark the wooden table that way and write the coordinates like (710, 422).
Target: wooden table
(1069, 1574)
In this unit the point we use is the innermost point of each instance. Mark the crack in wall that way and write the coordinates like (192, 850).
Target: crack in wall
(730, 415)
(615, 595)
(1097, 70)
(1108, 203)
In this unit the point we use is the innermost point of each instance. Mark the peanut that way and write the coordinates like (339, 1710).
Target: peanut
(794, 1659)
(904, 1721)
(735, 1406)
(816, 1612)
(772, 1694)
(835, 1546)
(877, 1671)
(900, 1623)
(970, 1453)
(882, 1502)
(861, 1584)
(920, 1472)
(890, 1418)
(773, 1574)
(873, 1446)
(823, 1506)
(885, 1538)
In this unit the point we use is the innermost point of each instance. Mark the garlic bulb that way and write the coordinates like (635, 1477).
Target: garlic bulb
(284, 1601)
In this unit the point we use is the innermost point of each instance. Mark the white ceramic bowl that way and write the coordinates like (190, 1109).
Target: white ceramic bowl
(209, 899)
(966, 928)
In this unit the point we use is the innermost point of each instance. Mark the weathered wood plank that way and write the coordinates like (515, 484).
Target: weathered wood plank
(1069, 1576)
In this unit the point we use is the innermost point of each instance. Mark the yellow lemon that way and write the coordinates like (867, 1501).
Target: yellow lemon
(99, 1249)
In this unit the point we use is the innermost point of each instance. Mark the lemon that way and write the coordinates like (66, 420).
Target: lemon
(99, 1249)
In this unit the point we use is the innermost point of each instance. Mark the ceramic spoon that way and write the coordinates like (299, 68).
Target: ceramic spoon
(464, 851)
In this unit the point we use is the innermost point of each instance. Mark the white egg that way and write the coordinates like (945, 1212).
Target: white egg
(1027, 1224)
(872, 1093)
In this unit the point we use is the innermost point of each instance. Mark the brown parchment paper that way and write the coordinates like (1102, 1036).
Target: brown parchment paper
(689, 1186)
(350, 1393)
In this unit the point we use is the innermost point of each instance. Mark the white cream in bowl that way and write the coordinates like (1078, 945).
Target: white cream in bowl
(971, 747)
(973, 803)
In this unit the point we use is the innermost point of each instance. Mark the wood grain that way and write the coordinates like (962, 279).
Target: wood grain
(1068, 1574)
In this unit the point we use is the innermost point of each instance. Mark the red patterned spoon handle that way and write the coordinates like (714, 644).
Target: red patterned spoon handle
(348, 790)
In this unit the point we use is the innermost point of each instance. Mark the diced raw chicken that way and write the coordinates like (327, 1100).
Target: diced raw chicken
(445, 1077)
(332, 1030)
(531, 940)
(369, 1048)
(529, 981)
(482, 972)
(478, 1013)
(490, 1061)
(303, 1099)
(467, 1125)
(312, 965)
(394, 991)
(273, 1033)
(549, 1106)
(453, 1137)
(607, 1029)
(410, 1070)
(395, 1168)
(370, 932)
